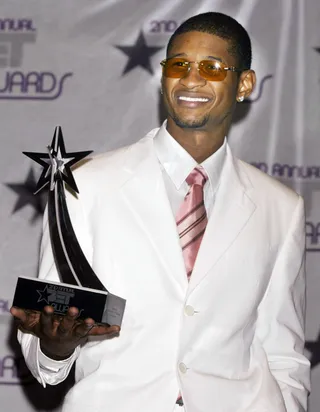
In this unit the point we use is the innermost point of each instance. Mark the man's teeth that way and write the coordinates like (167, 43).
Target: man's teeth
(193, 99)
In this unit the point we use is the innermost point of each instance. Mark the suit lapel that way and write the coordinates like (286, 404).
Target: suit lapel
(144, 192)
(231, 211)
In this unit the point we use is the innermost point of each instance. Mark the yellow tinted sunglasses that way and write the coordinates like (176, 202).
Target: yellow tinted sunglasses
(212, 70)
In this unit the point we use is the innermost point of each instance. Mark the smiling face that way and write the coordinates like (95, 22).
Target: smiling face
(192, 102)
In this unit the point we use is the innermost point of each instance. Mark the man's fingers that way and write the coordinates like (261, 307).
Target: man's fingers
(68, 321)
(46, 319)
(25, 320)
(84, 328)
(51, 325)
(104, 330)
(18, 313)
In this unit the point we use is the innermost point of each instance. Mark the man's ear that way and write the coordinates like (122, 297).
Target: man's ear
(246, 84)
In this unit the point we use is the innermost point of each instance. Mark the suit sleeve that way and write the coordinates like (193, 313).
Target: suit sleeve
(281, 317)
(45, 370)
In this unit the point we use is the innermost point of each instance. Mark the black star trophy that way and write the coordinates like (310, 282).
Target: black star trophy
(80, 287)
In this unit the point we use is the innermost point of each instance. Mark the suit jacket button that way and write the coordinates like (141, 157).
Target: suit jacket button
(189, 310)
(182, 368)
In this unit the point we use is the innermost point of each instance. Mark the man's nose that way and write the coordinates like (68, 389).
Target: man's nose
(193, 78)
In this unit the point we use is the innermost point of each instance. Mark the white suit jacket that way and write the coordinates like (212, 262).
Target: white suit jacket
(232, 339)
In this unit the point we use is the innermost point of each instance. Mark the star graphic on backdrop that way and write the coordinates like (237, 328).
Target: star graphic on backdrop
(25, 191)
(317, 49)
(139, 54)
(57, 163)
(314, 348)
(44, 295)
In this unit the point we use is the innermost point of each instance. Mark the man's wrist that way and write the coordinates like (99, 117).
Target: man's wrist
(54, 356)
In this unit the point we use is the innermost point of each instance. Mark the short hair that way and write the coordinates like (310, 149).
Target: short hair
(223, 26)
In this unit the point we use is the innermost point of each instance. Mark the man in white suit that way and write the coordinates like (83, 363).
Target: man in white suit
(215, 309)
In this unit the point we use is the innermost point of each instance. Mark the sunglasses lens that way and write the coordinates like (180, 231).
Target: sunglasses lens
(212, 70)
(175, 68)
(209, 69)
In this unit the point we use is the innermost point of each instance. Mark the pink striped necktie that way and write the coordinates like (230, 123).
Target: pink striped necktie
(192, 218)
(191, 222)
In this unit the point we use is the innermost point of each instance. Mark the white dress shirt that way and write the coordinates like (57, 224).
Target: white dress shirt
(176, 164)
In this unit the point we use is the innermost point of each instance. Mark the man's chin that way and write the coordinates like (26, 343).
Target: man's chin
(190, 123)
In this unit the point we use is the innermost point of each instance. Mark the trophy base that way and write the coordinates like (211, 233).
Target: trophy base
(103, 307)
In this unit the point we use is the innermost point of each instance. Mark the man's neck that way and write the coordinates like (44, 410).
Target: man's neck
(200, 144)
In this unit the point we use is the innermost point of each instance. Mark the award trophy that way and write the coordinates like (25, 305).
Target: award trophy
(80, 286)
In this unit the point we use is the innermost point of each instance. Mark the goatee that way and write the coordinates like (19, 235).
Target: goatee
(190, 124)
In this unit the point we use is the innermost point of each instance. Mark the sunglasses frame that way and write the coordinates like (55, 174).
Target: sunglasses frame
(188, 63)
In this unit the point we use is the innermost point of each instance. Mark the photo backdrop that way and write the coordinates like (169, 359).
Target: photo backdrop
(92, 66)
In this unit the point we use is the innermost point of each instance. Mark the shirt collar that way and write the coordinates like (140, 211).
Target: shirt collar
(177, 162)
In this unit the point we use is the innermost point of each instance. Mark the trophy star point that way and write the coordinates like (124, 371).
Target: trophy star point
(57, 163)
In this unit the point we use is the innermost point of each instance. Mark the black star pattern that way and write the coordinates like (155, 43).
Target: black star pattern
(44, 295)
(139, 55)
(25, 192)
(57, 163)
(314, 348)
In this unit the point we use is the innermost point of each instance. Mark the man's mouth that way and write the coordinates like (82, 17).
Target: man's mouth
(192, 102)
(193, 99)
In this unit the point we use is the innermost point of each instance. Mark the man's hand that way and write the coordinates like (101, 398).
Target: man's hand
(59, 335)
